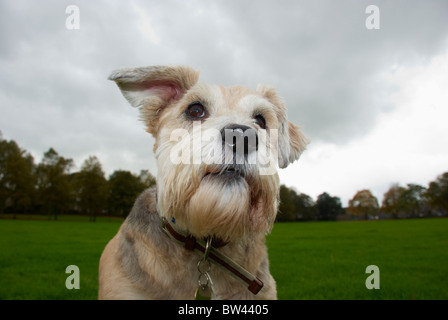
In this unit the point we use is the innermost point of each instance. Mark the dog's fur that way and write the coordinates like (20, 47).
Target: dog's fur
(143, 262)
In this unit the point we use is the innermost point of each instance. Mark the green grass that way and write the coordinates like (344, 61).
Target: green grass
(35, 254)
(325, 260)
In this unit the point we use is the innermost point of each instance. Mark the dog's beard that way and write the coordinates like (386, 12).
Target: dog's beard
(225, 202)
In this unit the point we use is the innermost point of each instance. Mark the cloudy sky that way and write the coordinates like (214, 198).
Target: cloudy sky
(374, 102)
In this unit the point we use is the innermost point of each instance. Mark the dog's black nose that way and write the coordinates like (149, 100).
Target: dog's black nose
(242, 139)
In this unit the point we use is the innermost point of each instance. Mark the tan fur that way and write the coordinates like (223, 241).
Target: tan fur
(141, 261)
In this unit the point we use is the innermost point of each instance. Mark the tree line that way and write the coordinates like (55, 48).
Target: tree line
(398, 202)
(52, 188)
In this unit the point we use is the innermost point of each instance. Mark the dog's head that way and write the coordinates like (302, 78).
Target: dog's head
(217, 149)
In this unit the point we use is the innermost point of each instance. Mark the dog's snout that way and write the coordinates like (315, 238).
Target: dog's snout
(242, 139)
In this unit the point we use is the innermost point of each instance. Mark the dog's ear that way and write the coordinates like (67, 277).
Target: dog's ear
(154, 88)
(291, 141)
(297, 143)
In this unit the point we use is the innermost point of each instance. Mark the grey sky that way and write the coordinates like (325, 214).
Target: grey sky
(319, 55)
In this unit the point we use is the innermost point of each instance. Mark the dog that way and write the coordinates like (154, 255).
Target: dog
(217, 193)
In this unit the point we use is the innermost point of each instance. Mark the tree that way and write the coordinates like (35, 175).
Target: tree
(17, 178)
(412, 199)
(147, 178)
(286, 208)
(364, 204)
(391, 200)
(305, 208)
(295, 207)
(53, 183)
(437, 193)
(406, 201)
(328, 207)
(124, 187)
(91, 188)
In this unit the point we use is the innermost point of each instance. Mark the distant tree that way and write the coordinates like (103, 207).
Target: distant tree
(412, 199)
(147, 178)
(286, 208)
(409, 201)
(391, 200)
(305, 208)
(364, 204)
(54, 189)
(91, 188)
(17, 178)
(124, 187)
(328, 207)
(437, 193)
(295, 207)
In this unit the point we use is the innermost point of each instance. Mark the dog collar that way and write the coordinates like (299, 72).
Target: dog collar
(252, 283)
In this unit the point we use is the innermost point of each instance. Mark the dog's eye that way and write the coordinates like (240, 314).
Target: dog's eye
(260, 121)
(196, 110)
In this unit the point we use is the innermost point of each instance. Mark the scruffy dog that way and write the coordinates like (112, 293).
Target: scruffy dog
(217, 193)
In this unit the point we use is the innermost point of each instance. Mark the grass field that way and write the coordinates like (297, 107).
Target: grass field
(318, 260)
(327, 260)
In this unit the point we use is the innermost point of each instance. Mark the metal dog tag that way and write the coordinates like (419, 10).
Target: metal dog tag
(205, 284)
(205, 287)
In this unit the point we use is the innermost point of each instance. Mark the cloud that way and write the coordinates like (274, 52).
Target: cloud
(406, 145)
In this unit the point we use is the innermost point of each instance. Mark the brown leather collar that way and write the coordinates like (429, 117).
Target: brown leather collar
(189, 241)
(252, 283)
